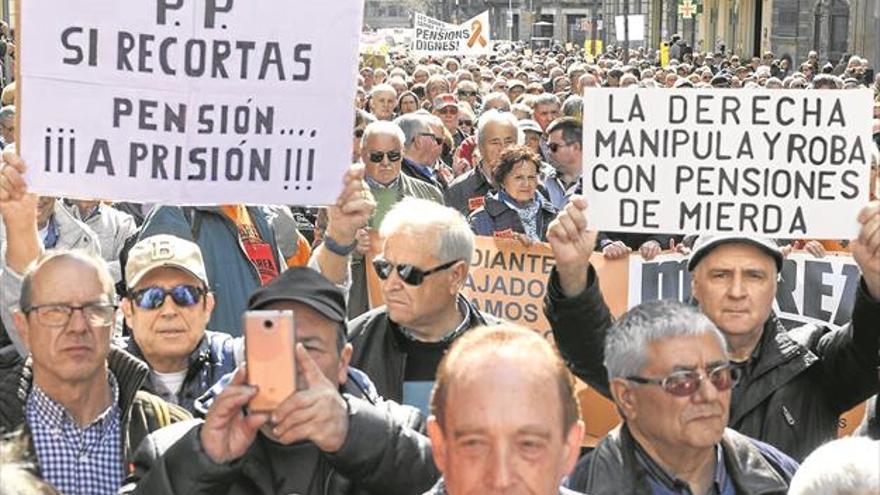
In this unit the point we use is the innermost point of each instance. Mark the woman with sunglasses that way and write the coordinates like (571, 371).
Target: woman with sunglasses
(517, 210)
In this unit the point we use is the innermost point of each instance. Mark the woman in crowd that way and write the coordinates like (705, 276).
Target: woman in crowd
(517, 210)
(408, 102)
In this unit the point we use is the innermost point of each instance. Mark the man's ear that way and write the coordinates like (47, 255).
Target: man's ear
(127, 309)
(209, 302)
(344, 360)
(624, 398)
(19, 319)
(573, 441)
(438, 443)
(459, 275)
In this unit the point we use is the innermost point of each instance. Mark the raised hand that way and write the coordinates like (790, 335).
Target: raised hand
(228, 432)
(572, 243)
(866, 247)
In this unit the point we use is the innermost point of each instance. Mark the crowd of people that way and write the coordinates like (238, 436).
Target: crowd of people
(122, 366)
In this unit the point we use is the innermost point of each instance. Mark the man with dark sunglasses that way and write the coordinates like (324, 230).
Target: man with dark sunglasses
(423, 265)
(167, 306)
(423, 145)
(795, 384)
(671, 379)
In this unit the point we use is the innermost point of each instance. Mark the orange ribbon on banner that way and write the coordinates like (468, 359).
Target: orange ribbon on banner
(477, 36)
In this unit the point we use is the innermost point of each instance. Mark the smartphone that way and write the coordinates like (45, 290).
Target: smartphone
(269, 341)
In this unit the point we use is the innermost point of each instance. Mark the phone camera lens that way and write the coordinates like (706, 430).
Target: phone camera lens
(267, 324)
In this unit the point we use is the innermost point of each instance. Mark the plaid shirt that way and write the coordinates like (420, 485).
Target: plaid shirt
(77, 461)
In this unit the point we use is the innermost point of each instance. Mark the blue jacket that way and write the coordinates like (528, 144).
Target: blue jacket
(495, 217)
(213, 358)
(231, 275)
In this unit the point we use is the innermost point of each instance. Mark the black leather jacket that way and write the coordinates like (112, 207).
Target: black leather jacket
(378, 353)
(612, 467)
(797, 387)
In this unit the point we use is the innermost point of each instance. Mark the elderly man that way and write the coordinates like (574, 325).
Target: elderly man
(168, 333)
(112, 227)
(670, 377)
(422, 268)
(495, 132)
(503, 415)
(333, 435)
(795, 384)
(423, 145)
(383, 99)
(7, 126)
(446, 108)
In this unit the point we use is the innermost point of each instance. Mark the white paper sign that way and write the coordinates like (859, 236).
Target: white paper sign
(188, 101)
(472, 37)
(636, 27)
(786, 164)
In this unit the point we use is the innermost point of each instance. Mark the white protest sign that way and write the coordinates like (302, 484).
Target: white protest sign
(435, 37)
(636, 27)
(781, 163)
(814, 290)
(188, 101)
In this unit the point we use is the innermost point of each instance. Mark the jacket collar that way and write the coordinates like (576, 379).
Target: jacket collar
(614, 466)
(196, 359)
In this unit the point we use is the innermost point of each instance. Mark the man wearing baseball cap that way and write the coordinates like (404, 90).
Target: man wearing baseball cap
(333, 435)
(447, 108)
(794, 385)
(169, 333)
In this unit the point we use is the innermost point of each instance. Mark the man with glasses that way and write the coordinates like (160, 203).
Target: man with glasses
(671, 379)
(167, 306)
(565, 150)
(467, 91)
(423, 265)
(446, 108)
(496, 132)
(794, 384)
(423, 145)
(76, 397)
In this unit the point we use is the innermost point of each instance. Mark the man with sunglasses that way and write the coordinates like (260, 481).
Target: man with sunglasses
(422, 268)
(167, 306)
(423, 145)
(671, 379)
(795, 384)
(565, 149)
(76, 398)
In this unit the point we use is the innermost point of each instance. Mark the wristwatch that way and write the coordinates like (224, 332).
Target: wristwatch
(336, 248)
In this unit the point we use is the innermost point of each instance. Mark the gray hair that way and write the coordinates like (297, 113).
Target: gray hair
(628, 341)
(108, 286)
(545, 99)
(846, 466)
(383, 88)
(496, 97)
(412, 124)
(503, 118)
(7, 112)
(429, 221)
(383, 127)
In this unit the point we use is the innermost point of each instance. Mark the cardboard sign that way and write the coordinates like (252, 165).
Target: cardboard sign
(435, 37)
(762, 162)
(188, 102)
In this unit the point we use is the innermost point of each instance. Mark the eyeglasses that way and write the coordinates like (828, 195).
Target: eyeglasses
(358, 133)
(466, 123)
(153, 297)
(448, 110)
(467, 94)
(686, 383)
(378, 156)
(97, 314)
(408, 273)
(554, 147)
(437, 139)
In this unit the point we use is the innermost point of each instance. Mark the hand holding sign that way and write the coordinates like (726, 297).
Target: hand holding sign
(866, 248)
(353, 207)
(18, 207)
(572, 244)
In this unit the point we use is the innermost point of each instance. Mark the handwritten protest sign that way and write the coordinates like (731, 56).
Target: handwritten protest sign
(761, 162)
(811, 290)
(432, 36)
(188, 101)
